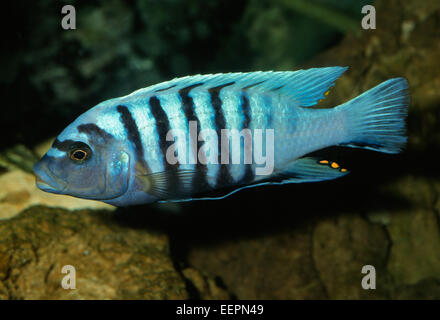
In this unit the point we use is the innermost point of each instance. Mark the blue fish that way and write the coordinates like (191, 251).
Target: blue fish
(194, 135)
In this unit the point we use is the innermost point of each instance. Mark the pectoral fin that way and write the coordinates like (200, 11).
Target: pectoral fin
(170, 184)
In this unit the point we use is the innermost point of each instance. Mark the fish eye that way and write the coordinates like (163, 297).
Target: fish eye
(79, 152)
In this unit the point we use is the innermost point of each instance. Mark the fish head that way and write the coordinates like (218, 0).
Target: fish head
(85, 161)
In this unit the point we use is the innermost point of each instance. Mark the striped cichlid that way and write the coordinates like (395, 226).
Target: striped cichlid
(175, 140)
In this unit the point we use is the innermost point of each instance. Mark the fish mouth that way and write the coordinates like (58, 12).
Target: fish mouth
(43, 185)
(43, 175)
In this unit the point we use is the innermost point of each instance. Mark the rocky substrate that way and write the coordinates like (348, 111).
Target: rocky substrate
(111, 261)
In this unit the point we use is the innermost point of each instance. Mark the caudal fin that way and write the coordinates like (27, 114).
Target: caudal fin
(376, 118)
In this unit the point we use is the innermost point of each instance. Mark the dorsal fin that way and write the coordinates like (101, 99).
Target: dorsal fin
(306, 87)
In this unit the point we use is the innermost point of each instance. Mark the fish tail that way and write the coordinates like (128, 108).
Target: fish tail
(375, 120)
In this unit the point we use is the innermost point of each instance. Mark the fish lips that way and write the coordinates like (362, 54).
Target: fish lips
(46, 180)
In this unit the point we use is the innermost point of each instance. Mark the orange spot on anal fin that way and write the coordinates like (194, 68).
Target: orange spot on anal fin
(323, 162)
(343, 170)
(334, 165)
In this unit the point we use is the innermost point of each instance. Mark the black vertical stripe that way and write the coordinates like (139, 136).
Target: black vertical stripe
(245, 108)
(162, 126)
(199, 182)
(249, 173)
(188, 103)
(133, 134)
(223, 177)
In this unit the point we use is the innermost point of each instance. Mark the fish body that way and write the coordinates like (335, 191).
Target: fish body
(175, 140)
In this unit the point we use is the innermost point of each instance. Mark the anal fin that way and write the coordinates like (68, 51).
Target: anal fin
(311, 169)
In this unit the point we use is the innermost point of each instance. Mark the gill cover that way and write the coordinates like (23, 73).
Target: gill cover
(117, 175)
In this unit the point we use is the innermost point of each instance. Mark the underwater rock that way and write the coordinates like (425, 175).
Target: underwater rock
(271, 267)
(111, 261)
(205, 286)
(415, 233)
(342, 246)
